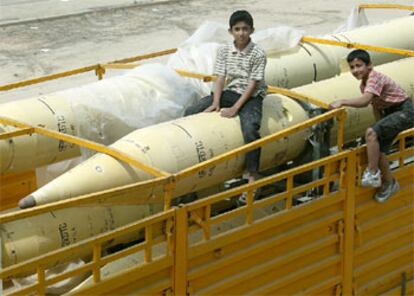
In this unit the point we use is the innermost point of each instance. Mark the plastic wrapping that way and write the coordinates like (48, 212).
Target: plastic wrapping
(199, 58)
(109, 109)
(356, 19)
(278, 38)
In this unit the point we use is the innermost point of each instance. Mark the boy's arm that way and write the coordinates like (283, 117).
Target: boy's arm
(232, 111)
(218, 90)
(358, 102)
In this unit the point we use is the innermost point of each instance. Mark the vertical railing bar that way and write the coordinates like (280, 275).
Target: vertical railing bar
(207, 214)
(341, 126)
(249, 205)
(169, 235)
(180, 252)
(167, 200)
(349, 220)
(41, 280)
(327, 174)
(168, 189)
(97, 248)
(289, 187)
(148, 244)
(402, 148)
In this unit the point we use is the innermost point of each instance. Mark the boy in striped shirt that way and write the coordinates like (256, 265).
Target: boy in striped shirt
(394, 112)
(240, 87)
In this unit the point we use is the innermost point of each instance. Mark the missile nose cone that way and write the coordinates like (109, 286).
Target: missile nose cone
(27, 202)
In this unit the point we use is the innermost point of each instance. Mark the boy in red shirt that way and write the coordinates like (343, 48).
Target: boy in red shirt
(394, 112)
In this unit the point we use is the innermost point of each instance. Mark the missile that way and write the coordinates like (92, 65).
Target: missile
(181, 143)
(30, 237)
(298, 66)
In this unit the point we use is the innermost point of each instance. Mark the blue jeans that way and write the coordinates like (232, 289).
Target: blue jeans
(250, 119)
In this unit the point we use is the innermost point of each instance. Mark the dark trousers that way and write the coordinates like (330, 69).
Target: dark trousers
(250, 119)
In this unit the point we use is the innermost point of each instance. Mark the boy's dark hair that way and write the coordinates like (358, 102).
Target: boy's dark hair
(359, 54)
(241, 16)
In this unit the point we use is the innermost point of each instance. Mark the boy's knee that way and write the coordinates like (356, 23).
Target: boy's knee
(193, 109)
(251, 132)
(370, 135)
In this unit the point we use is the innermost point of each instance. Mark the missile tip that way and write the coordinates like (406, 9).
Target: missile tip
(27, 202)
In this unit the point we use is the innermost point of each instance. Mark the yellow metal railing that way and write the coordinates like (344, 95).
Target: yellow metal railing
(152, 226)
(99, 70)
(177, 224)
(403, 52)
(387, 6)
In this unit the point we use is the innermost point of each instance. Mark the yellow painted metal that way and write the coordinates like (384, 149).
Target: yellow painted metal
(409, 290)
(19, 132)
(181, 253)
(47, 78)
(41, 279)
(99, 70)
(403, 52)
(148, 244)
(298, 96)
(145, 56)
(386, 6)
(96, 269)
(349, 221)
(66, 253)
(14, 186)
(275, 253)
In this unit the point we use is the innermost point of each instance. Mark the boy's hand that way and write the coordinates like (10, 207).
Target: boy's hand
(229, 112)
(212, 108)
(335, 104)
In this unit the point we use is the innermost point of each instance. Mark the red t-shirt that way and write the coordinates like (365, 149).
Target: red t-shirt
(385, 90)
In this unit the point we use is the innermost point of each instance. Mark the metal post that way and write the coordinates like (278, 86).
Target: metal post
(181, 248)
(349, 219)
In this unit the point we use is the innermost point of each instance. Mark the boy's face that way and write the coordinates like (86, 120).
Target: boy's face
(359, 69)
(241, 33)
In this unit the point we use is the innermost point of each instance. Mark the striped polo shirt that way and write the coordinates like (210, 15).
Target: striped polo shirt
(239, 67)
(385, 90)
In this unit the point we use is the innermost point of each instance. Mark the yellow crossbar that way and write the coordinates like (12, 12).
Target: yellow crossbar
(296, 95)
(19, 132)
(387, 6)
(87, 144)
(404, 52)
(97, 68)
